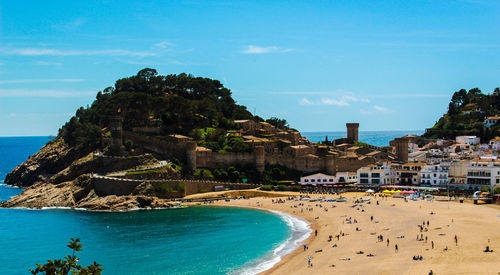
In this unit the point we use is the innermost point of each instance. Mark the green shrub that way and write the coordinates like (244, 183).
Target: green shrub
(295, 188)
(180, 188)
(164, 188)
(282, 187)
(266, 188)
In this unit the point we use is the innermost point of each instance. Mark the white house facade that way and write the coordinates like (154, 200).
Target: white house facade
(320, 178)
(435, 175)
(483, 172)
(471, 140)
(376, 175)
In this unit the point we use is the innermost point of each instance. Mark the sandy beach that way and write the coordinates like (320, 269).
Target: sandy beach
(476, 226)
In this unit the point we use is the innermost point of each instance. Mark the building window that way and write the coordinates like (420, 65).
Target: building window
(363, 180)
(313, 180)
(330, 180)
(324, 180)
(363, 175)
(375, 180)
(306, 180)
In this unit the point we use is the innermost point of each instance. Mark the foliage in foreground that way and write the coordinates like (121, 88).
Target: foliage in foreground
(68, 265)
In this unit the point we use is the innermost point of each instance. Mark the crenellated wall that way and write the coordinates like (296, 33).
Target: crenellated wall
(258, 158)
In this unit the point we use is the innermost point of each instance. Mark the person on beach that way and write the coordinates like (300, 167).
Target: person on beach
(387, 241)
(316, 232)
(432, 244)
(456, 240)
(396, 248)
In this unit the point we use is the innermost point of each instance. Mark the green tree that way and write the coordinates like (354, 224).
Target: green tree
(278, 123)
(68, 265)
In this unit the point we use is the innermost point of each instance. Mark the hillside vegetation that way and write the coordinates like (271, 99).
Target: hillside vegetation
(180, 104)
(465, 116)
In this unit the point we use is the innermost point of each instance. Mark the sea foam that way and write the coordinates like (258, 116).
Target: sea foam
(300, 232)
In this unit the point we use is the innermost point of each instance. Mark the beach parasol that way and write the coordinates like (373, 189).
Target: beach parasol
(386, 191)
(370, 191)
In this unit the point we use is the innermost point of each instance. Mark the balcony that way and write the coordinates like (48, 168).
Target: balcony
(479, 174)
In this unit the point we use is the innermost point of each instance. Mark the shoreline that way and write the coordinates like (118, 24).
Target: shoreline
(295, 243)
(475, 226)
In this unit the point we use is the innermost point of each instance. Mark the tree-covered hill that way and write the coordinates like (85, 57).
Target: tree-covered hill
(465, 116)
(176, 104)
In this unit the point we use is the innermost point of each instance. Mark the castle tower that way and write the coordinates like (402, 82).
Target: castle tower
(191, 155)
(260, 162)
(330, 165)
(401, 149)
(115, 125)
(352, 132)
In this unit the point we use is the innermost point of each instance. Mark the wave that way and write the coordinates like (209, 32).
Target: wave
(9, 186)
(300, 232)
(95, 210)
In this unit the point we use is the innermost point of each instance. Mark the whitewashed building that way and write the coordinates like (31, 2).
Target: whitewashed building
(376, 175)
(435, 174)
(471, 140)
(339, 178)
(495, 143)
(483, 172)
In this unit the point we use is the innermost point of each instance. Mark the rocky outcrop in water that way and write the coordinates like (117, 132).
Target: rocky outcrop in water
(80, 193)
(52, 158)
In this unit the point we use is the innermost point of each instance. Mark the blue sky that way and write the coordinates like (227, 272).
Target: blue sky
(389, 65)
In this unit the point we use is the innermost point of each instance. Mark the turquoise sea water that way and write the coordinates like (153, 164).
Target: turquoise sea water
(377, 138)
(197, 240)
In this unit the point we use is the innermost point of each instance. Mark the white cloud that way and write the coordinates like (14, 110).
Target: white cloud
(344, 100)
(336, 102)
(252, 49)
(305, 101)
(411, 95)
(72, 25)
(162, 45)
(48, 63)
(58, 52)
(376, 109)
(44, 93)
(40, 80)
(382, 109)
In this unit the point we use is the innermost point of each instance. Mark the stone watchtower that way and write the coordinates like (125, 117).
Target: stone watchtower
(352, 132)
(260, 161)
(115, 125)
(191, 154)
(401, 149)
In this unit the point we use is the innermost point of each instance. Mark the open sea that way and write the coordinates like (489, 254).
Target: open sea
(194, 240)
(377, 138)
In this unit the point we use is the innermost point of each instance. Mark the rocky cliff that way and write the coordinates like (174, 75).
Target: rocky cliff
(57, 176)
(40, 167)
(80, 193)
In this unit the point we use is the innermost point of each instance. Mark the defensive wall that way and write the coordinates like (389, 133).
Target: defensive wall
(258, 159)
(105, 186)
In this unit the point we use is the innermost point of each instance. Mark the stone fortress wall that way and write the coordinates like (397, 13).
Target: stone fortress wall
(105, 186)
(309, 158)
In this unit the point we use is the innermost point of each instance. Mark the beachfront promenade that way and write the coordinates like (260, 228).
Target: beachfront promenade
(392, 236)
